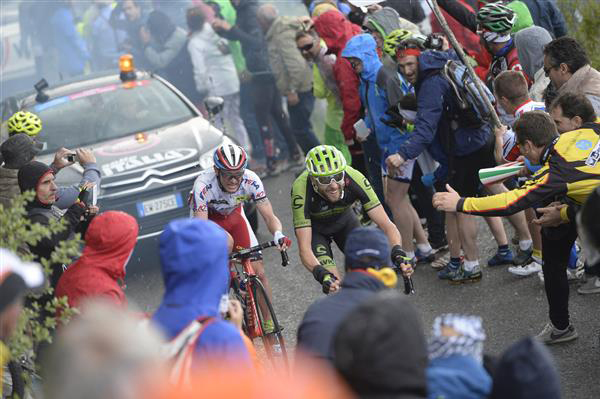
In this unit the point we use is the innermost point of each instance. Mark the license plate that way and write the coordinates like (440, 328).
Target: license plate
(158, 205)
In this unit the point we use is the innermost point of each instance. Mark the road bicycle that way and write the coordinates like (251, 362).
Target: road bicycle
(258, 309)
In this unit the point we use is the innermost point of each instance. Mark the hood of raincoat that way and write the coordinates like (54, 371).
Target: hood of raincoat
(530, 44)
(193, 255)
(383, 21)
(335, 29)
(109, 241)
(364, 48)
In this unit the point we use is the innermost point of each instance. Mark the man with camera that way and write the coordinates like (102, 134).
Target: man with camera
(38, 177)
(20, 149)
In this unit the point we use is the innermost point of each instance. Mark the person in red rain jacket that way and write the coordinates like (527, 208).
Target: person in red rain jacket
(335, 30)
(109, 242)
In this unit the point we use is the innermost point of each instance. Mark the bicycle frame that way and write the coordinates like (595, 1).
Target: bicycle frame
(254, 329)
(246, 257)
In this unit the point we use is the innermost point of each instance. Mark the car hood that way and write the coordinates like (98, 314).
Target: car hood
(136, 159)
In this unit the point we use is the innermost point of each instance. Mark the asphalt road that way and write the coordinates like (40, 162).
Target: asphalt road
(511, 307)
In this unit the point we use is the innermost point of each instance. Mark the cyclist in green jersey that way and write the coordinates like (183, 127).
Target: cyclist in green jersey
(322, 199)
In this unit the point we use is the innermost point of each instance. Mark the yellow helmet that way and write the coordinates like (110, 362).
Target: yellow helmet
(394, 39)
(24, 122)
(324, 160)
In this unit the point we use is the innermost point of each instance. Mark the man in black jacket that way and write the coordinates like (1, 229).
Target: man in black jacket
(366, 250)
(39, 177)
(267, 99)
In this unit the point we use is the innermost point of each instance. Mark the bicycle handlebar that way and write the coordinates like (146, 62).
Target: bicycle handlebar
(248, 252)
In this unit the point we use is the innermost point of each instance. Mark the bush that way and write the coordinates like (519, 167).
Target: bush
(582, 18)
(15, 232)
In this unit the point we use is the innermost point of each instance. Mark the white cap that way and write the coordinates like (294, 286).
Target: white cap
(31, 272)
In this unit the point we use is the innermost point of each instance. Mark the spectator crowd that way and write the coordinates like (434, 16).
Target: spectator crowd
(403, 109)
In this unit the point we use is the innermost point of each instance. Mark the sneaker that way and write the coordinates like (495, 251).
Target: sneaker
(577, 273)
(439, 246)
(526, 270)
(550, 335)
(424, 257)
(448, 272)
(463, 276)
(523, 257)
(573, 275)
(592, 286)
(501, 259)
(442, 261)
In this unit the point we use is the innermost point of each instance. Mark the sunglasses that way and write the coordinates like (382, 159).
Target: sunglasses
(306, 48)
(232, 176)
(326, 180)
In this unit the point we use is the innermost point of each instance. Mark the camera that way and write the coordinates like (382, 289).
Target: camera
(72, 157)
(434, 42)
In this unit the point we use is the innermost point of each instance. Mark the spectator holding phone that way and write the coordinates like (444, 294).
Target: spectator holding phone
(20, 149)
(38, 177)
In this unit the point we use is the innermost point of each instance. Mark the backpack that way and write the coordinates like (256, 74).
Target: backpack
(471, 111)
(179, 352)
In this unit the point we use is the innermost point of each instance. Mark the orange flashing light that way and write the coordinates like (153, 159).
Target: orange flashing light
(126, 63)
(140, 137)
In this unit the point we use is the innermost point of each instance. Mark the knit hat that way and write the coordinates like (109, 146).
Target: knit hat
(19, 150)
(30, 175)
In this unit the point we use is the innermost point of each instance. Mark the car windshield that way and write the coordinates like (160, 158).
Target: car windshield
(108, 112)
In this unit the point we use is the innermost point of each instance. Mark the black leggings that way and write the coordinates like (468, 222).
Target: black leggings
(323, 234)
(267, 105)
(556, 245)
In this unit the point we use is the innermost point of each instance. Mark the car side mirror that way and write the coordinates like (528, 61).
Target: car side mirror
(214, 105)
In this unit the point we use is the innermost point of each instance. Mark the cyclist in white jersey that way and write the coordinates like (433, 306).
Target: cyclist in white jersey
(219, 195)
(511, 93)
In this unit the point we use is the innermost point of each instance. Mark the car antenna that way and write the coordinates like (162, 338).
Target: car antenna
(40, 86)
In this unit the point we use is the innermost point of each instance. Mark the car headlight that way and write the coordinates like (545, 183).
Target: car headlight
(206, 159)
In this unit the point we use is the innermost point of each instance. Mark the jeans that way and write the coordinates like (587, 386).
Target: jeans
(267, 107)
(300, 121)
(557, 243)
(249, 118)
(372, 155)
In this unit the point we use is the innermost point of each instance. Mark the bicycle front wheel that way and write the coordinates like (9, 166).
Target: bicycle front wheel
(272, 336)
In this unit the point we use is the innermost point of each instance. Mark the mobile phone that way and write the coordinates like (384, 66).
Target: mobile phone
(362, 131)
(84, 196)
(71, 157)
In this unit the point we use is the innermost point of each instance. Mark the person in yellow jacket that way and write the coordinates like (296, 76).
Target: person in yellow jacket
(570, 172)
